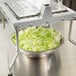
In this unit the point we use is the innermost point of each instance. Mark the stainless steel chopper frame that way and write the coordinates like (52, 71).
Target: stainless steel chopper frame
(46, 16)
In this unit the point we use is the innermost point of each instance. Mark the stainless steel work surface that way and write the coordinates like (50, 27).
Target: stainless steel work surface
(65, 56)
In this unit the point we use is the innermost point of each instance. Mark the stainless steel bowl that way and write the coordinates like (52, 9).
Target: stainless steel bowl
(34, 63)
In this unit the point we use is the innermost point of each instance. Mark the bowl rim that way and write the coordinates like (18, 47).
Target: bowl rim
(41, 53)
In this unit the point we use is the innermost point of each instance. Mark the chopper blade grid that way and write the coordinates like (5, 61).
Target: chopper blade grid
(47, 14)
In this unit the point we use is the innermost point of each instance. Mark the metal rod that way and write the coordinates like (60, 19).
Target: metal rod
(12, 63)
(8, 62)
(17, 40)
(70, 32)
(17, 54)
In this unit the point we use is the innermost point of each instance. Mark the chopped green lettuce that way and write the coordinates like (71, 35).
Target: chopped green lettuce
(38, 39)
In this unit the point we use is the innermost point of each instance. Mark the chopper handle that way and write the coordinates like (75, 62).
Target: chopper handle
(70, 32)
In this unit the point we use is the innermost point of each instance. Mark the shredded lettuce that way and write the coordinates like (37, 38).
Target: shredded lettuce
(38, 39)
